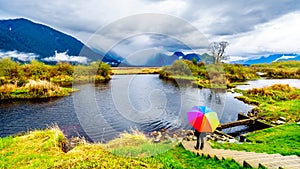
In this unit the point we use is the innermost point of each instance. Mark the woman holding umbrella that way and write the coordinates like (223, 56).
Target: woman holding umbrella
(203, 119)
(200, 139)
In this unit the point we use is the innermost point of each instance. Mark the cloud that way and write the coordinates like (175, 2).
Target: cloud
(217, 18)
(226, 20)
(144, 31)
(19, 55)
(64, 57)
(285, 57)
(277, 36)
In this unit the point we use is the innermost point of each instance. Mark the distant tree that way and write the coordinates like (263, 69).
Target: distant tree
(8, 68)
(104, 70)
(217, 50)
(194, 60)
(180, 67)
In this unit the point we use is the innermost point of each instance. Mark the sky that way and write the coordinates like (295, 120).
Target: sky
(253, 28)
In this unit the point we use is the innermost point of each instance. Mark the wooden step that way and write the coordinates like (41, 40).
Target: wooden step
(251, 159)
(255, 157)
(291, 166)
(278, 163)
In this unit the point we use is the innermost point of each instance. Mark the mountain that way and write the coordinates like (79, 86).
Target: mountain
(25, 36)
(271, 58)
(161, 59)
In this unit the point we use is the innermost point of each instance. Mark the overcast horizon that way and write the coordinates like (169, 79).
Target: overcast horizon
(253, 28)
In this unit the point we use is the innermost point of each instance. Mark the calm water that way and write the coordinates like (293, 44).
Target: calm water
(269, 82)
(100, 112)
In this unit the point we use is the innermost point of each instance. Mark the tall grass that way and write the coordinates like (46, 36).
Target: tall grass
(44, 149)
(33, 89)
(6, 89)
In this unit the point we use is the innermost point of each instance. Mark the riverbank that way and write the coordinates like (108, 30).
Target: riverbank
(45, 149)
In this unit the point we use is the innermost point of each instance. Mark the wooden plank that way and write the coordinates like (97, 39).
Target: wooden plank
(236, 123)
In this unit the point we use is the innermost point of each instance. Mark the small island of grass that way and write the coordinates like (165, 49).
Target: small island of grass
(208, 75)
(38, 80)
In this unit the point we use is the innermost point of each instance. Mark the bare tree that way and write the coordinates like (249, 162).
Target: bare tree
(217, 50)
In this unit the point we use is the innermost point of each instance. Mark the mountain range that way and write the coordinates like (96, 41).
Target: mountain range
(27, 37)
(270, 59)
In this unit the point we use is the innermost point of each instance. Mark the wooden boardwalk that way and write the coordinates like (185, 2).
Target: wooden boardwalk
(251, 159)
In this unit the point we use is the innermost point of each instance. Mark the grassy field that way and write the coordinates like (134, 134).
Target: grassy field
(44, 149)
(135, 70)
(283, 139)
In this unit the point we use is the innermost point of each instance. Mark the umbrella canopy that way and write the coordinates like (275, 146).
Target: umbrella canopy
(203, 119)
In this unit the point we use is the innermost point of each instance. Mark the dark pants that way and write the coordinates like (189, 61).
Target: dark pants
(200, 139)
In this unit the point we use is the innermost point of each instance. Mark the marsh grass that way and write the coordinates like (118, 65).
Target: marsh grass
(33, 89)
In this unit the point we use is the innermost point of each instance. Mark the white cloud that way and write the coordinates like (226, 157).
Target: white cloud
(64, 57)
(277, 36)
(19, 55)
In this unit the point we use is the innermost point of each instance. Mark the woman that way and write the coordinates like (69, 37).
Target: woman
(200, 139)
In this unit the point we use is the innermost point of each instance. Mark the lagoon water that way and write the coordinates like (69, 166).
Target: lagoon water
(99, 112)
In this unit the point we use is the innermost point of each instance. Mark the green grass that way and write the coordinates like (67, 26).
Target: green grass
(274, 101)
(136, 144)
(43, 149)
(289, 109)
(181, 158)
(283, 139)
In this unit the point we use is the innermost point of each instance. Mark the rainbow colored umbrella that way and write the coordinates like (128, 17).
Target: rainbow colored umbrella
(203, 119)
